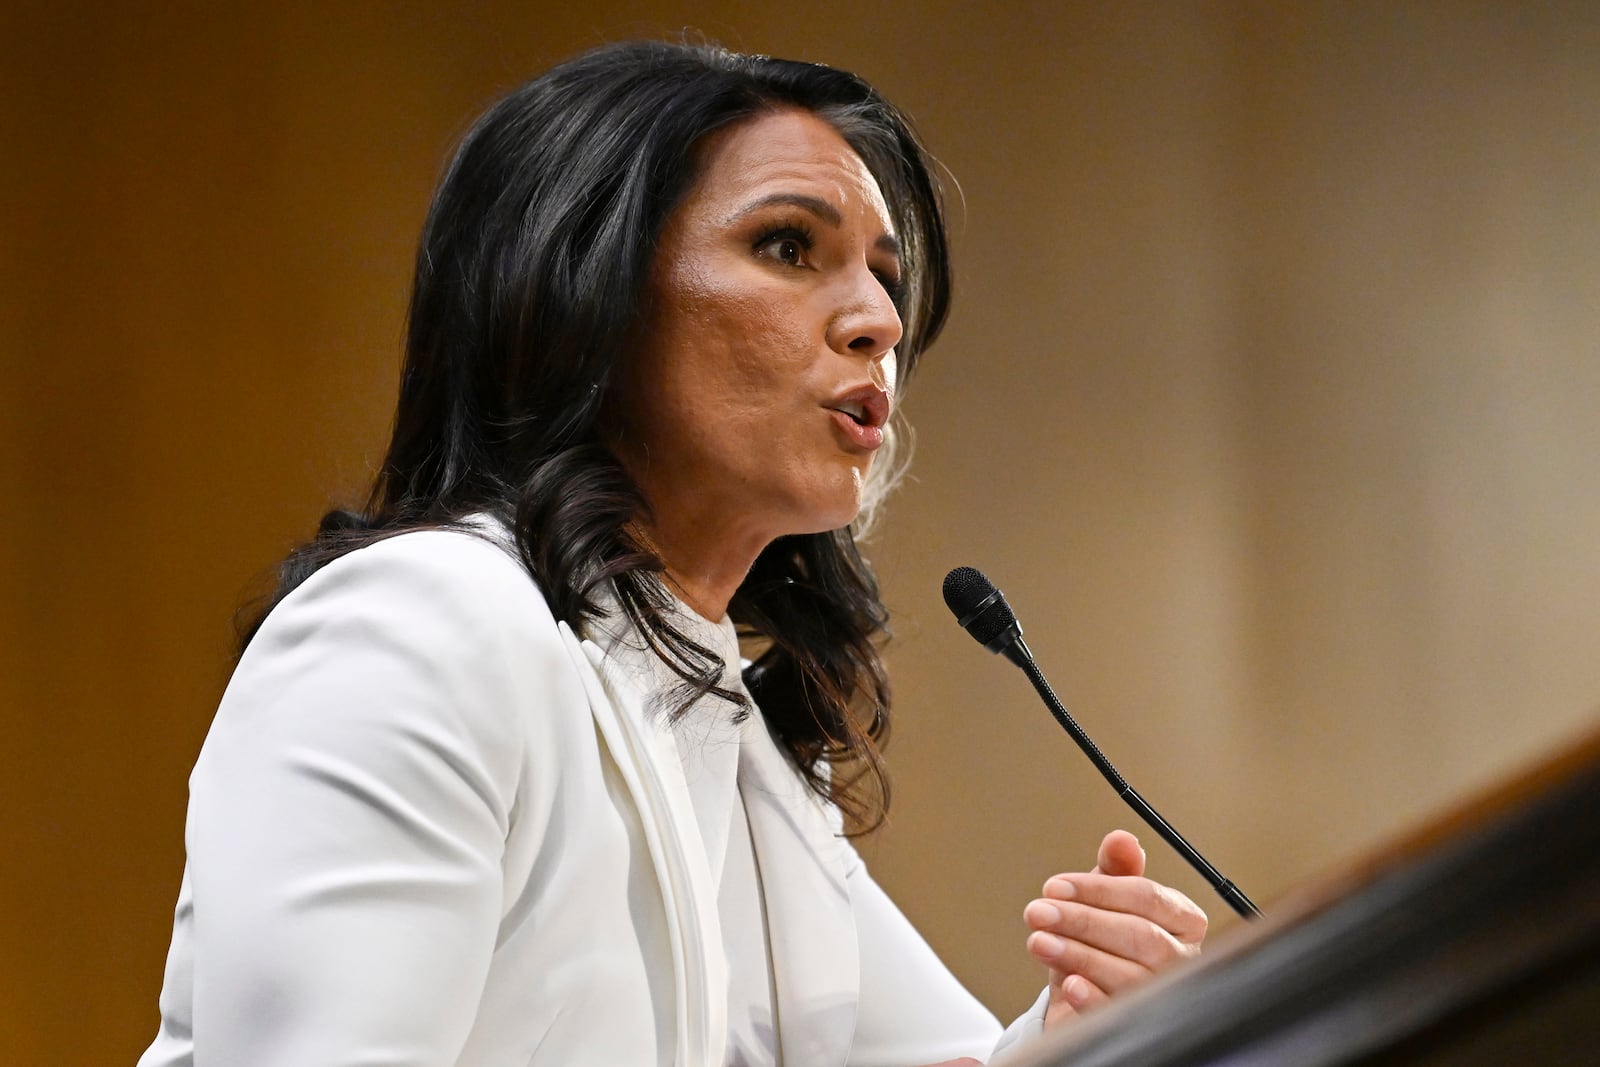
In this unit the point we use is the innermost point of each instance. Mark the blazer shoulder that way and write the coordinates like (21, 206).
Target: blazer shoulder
(445, 622)
(434, 578)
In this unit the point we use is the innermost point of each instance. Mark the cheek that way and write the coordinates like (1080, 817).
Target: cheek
(748, 353)
(730, 366)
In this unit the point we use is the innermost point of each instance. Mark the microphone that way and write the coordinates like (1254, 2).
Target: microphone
(983, 612)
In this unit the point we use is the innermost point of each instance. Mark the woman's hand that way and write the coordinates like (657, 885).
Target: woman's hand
(1109, 929)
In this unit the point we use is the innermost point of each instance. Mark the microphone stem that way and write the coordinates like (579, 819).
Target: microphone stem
(1229, 892)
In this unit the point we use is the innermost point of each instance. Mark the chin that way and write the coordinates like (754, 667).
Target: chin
(828, 507)
(839, 516)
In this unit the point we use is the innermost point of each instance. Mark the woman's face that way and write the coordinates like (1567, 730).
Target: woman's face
(757, 396)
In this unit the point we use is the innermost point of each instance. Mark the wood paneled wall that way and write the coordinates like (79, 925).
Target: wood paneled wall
(1270, 400)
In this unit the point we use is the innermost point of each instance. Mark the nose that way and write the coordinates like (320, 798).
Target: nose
(866, 323)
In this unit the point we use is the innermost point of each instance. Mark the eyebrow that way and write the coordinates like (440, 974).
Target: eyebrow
(824, 211)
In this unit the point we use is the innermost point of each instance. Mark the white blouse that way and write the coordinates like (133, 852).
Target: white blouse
(709, 741)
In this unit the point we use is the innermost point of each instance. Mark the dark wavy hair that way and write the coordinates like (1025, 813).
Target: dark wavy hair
(529, 281)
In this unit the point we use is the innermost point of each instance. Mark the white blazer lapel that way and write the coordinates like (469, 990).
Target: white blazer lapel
(646, 757)
(811, 930)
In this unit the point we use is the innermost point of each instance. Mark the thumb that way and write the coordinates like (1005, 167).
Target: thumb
(1120, 854)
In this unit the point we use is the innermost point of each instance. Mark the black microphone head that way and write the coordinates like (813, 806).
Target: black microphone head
(965, 588)
(980, 608)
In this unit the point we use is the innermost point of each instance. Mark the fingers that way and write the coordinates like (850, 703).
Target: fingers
(1120, 854)
(1081, 993)
(1114, 932)
(1138, 898)
(1109, 929)
(1070, 994)
(1066, 956)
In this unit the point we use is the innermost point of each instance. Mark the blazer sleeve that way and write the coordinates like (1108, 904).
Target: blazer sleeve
(349, 809)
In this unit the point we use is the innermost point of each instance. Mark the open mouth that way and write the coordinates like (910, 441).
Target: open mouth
(856, 412)
(860, 415)
(867, 407)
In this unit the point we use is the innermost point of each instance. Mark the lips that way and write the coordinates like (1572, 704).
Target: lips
(861, 413)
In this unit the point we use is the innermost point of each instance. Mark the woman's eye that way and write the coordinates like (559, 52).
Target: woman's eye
(787, 247)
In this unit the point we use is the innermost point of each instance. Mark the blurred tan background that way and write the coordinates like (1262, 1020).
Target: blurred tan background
(1270, 399)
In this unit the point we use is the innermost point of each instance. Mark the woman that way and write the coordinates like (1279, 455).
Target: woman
(488, 786)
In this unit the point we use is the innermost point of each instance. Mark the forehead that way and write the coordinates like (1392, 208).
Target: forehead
(786, 151)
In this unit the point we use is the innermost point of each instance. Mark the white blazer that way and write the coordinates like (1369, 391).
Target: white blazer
(431, 826)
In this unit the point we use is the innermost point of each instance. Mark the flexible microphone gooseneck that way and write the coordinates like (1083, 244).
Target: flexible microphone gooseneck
(984, 613)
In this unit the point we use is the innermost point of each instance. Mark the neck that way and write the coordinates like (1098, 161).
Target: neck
(703, 569)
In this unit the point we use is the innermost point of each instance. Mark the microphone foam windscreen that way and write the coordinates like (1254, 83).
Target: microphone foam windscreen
(964, 589)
